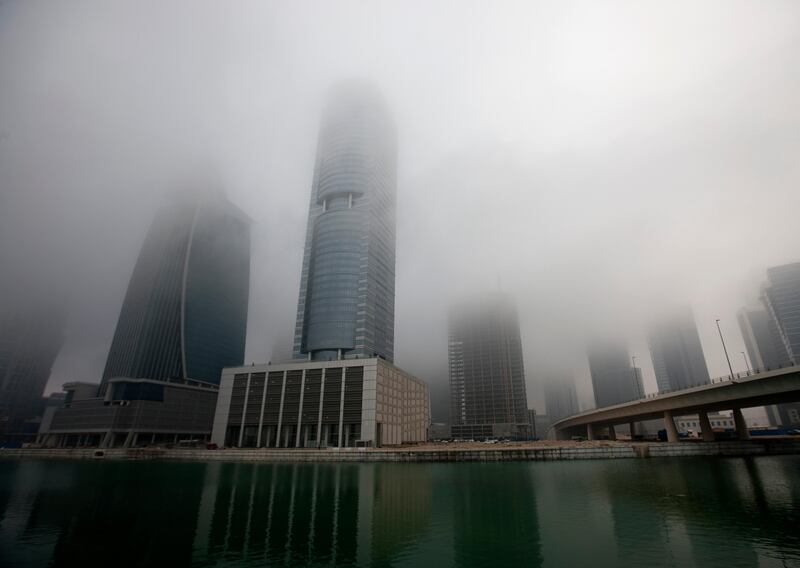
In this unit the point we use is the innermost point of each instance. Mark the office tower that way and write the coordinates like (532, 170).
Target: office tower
(637, 371)
(614, 380)
(30, 340)
(677, 354)
(184, 315)
(781, 296)
(346, 303)
(560, 397)
(762, 339)
(487, 376)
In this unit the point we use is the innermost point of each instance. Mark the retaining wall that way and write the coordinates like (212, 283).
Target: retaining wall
(547, 453)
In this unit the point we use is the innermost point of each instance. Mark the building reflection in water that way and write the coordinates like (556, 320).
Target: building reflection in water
(686, 512)
(311, 514)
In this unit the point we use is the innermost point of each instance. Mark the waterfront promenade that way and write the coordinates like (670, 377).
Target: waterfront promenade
(467, 452)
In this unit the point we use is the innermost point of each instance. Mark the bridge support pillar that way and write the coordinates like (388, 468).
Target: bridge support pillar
(741, 426)
(590, 432)
(669, 423)
(632, 428)
(612, 433)
(705, 426)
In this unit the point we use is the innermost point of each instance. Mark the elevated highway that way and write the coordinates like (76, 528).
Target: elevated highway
(757, 388)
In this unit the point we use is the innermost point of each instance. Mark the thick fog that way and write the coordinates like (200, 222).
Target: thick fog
(600, 161)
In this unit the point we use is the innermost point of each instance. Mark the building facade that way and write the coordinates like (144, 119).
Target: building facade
(185, 312)
(131, 413)
(781, 296)
(614, 380)
(30, 341)
(183, 319)
(347, 286)
(677, 354)
(561, 399)
(318, 404)
(487, 374)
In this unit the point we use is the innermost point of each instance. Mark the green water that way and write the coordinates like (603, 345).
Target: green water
(682, 512)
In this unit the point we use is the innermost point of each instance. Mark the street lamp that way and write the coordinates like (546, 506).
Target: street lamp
(725, 349)
(745, 362)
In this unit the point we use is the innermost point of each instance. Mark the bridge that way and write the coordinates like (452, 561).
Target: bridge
(734, 392)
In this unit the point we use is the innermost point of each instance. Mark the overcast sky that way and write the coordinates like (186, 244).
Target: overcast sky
(601, 161)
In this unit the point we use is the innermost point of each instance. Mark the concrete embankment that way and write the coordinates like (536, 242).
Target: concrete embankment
(569, 451)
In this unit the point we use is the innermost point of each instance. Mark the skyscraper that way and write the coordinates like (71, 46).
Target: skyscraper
(185, 312)
(766, 351)
(487, 375)
(30, 340)
(762, 339)
(677, 354)
(614, 380)
(781, 296)
(560, 397)
(346, 303)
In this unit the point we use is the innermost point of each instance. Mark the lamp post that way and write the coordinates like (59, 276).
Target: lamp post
(725, 349)
(746, 362)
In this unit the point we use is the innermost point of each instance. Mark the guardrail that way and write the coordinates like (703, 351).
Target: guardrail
(716, 380)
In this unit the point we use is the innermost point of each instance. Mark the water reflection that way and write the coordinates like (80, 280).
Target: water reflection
(705, 512)
(341, 514)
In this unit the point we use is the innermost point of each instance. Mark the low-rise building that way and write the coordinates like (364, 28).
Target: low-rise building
(131, 413)
(691, 423)
(313, 404)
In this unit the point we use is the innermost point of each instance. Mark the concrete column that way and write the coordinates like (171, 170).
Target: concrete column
(280, 413)
(107, 439)
(341, 408)
(319, 416)
(261, 414)
(590, 432)
(300, 410)
(705, 426)
(612, 433)
(128, 440)
(669, 423)
(741, 426)
(244, 409)
(632, 428)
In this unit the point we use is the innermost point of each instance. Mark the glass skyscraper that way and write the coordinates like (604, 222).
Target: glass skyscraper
(185, 312)
(346, 303)
(614, 379)
(677, 353)
(781, 295)
(767, 351)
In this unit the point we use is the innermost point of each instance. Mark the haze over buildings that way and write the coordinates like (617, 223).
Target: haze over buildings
(676, 351)
(487, 373)
(600, 161)
(346, 305)
(614, 379)
(185, 313)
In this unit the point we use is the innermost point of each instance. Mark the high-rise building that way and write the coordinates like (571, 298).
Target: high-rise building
(781, 296)
(560, 397)
(614, 380)
(29, 344)
(677, 354)
(487, 375)
(346, 303)
(183, 319)
(185, 313)
(772, 333)
(762, 339)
